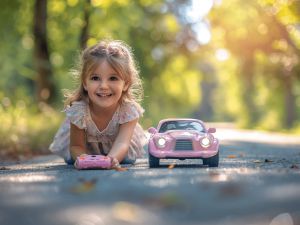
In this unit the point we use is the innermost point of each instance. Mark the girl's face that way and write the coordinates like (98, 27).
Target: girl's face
(104, 86)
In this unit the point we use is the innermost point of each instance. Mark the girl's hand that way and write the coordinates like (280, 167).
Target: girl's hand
(115, 163)
(76, 162)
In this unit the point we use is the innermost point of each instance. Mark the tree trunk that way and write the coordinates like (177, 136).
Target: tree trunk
(44, 83)
(208, 84)
(85, 29)
(248, 92)
(289, 100)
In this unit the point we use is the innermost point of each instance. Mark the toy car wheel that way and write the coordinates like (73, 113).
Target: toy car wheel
(153, 161)
(212, 161)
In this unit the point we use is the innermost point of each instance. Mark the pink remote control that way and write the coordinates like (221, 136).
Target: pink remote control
(93, 162)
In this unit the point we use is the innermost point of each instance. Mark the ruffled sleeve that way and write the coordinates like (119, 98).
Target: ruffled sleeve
(76, 113)
(130, 111)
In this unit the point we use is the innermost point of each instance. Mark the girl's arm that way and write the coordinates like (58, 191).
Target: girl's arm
(77, 141)
(121, 145)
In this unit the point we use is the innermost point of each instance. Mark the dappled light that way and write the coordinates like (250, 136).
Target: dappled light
(28, 179)
(222, 54)
(233, 64)
(241, 67)
(191, 59)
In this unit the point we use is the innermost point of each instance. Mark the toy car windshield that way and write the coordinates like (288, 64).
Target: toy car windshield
(181, 125)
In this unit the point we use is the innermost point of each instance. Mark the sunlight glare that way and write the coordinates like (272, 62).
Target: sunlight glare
(222, 54)
(161, 183)
(28, 179)
(195, 14)
(198, 10)
(203, 34)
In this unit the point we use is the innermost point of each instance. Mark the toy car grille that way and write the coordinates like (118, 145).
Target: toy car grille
(182, 145)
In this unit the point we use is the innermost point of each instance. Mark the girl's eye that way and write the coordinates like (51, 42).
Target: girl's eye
(95, 78)
(114, 78)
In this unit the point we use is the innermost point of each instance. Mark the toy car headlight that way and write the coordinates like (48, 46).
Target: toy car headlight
(161, 142)
(205, 142)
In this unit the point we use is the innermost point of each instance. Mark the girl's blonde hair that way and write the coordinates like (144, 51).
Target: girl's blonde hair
(120, 57)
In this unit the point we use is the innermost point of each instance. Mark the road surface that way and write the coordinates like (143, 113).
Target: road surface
(257, 183)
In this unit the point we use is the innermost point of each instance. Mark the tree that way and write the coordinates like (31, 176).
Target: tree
(44, 83)
(86, 21)
(250, 35)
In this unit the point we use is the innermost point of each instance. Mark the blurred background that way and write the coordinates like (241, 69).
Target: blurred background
(219, 61)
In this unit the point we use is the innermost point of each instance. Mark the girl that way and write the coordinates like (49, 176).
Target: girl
(102, 114)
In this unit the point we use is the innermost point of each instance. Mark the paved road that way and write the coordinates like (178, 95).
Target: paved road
(257, 183)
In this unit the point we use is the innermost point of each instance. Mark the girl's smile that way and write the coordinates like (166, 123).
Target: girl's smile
(103, 95)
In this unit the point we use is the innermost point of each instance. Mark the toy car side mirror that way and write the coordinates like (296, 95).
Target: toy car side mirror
(211, 130)
(152, 130)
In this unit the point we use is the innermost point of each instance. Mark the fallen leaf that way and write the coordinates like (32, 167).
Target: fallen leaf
(231, 190)
(4, 168)
(170, 200)
(213, 173)
(217, 177)
(166, 200)
(171, 166)
(120, 169)
(126, 212)
(268, 160)
(84, 186)
(294, 166)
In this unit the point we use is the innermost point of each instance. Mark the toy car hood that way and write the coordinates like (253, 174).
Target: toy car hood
(181, 134)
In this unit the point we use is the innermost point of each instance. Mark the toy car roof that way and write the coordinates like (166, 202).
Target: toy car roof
(179, 119)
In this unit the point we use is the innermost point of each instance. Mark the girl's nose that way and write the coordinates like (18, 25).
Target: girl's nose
(103, 84)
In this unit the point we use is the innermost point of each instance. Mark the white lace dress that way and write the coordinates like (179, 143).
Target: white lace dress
(99, 142)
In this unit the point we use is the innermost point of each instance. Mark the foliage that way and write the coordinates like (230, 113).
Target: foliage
(265, 74)
(153, 39)
(26, 129)
(247, 73)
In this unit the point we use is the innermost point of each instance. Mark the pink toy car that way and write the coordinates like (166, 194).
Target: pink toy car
(183, 139)
(93, 162)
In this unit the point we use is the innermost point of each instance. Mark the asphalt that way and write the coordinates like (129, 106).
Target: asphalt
(257, 182)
